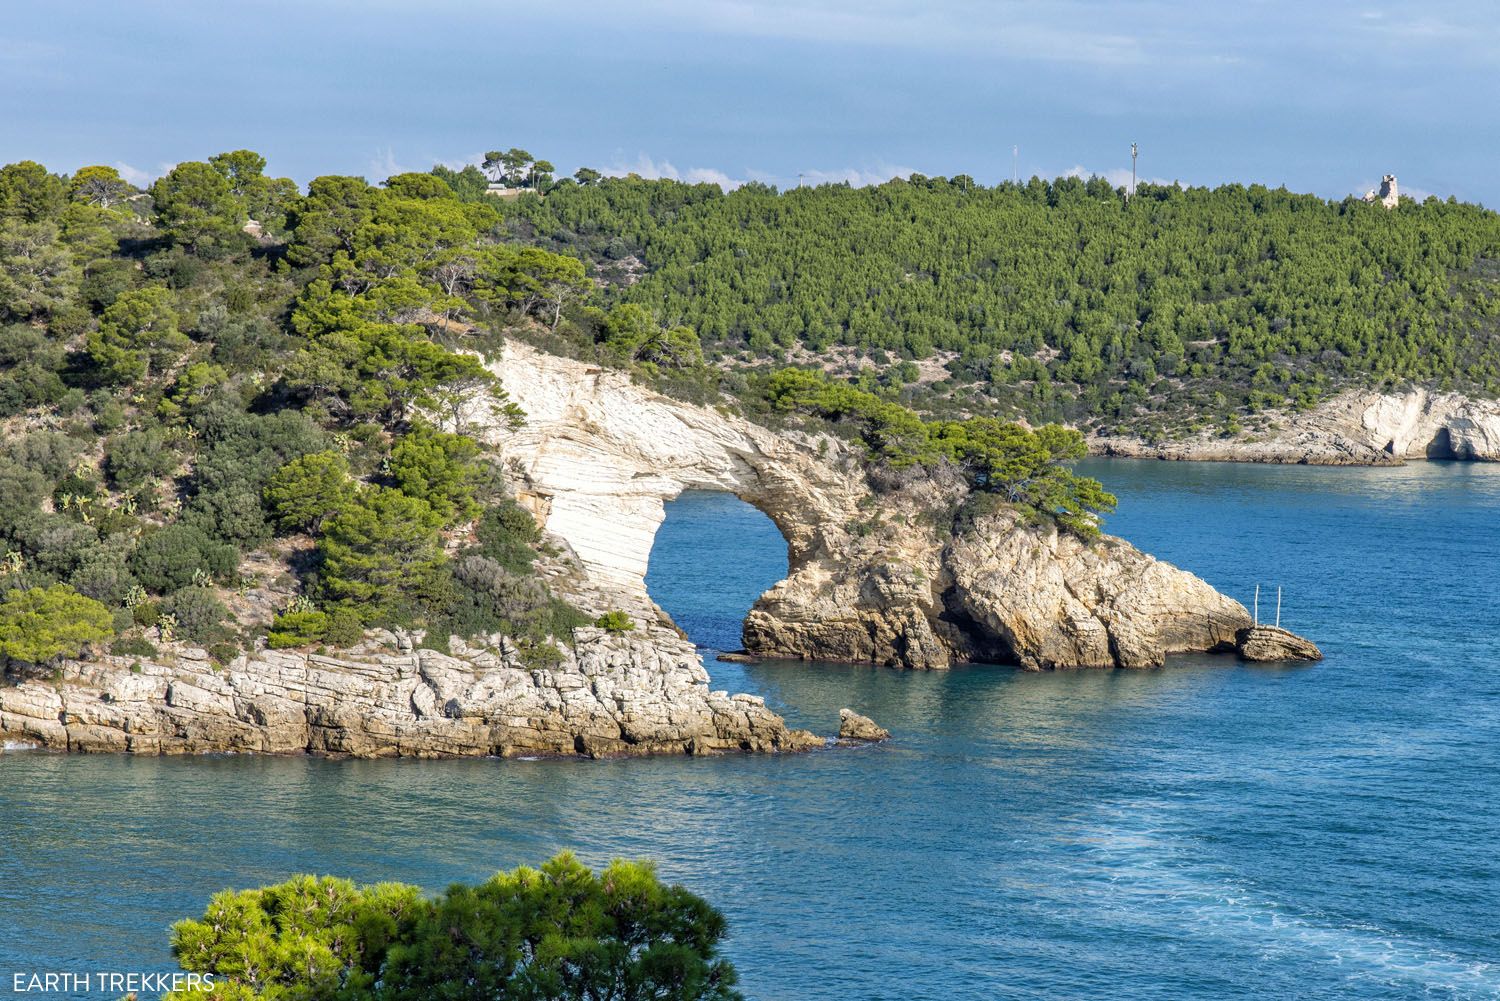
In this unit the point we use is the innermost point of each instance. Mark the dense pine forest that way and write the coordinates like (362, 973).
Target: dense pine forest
(1055, 300)
(225, 386)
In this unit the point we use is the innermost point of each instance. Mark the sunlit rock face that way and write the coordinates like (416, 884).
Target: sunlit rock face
(874, 576)
(1357, 427)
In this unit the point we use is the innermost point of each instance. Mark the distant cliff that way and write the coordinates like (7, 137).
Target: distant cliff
(1355, 428)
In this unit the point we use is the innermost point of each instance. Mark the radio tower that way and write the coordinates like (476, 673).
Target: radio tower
(1015, 165)
(1133, 152)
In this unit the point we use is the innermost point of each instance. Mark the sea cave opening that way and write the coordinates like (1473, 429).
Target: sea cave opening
(712, 557)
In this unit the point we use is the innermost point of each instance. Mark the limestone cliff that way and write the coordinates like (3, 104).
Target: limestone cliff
(610, 696)
(1353, 428)
(876, 575)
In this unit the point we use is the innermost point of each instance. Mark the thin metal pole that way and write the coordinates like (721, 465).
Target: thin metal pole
(1278, 606)
(1015, 165)
(1257, 604)
(1133, 151)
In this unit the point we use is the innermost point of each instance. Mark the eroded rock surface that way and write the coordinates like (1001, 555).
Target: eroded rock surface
(853, 726)
(609, 696)
(1353, 428)
(876, 575)
(1270, 643)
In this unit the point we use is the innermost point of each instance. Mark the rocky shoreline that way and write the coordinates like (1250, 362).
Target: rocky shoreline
(611, 696)
(879, 573)
(1354, 428)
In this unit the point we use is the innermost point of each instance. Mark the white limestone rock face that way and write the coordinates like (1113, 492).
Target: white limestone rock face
(876, 577)
(599, 455)
(608, 696)
(1352, 428)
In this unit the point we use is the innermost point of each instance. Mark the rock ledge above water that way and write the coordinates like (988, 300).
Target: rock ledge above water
(1270, 643)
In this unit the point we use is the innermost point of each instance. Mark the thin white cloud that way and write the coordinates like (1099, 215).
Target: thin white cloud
(1118, 177)
(1054, 32)
(383, 164)
(648, 167)
(140, 178)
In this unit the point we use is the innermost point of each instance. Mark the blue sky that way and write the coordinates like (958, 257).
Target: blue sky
(1320, 95)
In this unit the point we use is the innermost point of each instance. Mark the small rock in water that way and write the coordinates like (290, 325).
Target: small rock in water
(1267, 643)
(853, 726)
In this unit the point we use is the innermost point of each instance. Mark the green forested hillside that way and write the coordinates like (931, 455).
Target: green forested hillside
(225, 391)
(221, 387)
(1059, 300)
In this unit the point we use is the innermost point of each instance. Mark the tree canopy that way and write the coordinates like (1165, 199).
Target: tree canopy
(1058, 300)
(561, 932)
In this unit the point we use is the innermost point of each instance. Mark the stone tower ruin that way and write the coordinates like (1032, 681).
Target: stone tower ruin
(1387, 195)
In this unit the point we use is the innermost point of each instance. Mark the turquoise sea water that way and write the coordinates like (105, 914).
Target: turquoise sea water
(1210, 830)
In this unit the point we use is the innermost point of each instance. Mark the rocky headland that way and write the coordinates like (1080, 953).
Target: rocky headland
(900, 573)
(1354, 428)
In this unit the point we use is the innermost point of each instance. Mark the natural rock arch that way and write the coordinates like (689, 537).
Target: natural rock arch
(883, 581)
(599, 456)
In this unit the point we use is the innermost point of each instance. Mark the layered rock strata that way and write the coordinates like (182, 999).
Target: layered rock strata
(876, 575)
(610, 696)
(1355, 428)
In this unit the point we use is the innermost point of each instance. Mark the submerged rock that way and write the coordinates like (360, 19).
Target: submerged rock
(853, 726)
(1270, 643)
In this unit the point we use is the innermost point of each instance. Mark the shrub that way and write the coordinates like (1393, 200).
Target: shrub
(380, 555)
(224, 652)
(133, 646)
(344, 628)
(562, 932)
(508, 534)
(199, 614)
(440, 469)
(302, 628)
(41, 623)
(308, 489)
(488, 598)
(615, 622)
(166, 559)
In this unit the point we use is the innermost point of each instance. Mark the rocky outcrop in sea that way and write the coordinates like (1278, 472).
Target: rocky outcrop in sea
(894, 573)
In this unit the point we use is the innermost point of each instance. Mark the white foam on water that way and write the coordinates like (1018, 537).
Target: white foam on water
(1143, 868)
(18, 745)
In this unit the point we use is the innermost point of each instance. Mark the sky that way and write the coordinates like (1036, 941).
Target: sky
(1322, 96)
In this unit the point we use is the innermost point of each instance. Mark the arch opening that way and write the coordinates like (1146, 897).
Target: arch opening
(713, 556)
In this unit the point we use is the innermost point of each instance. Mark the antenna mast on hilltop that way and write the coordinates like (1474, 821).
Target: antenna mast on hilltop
(1133, 152)
(1015, 165)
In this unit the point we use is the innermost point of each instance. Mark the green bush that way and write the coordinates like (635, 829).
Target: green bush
(562, 933)
(199, 614)
(293, 629)
(168, 558)
(344, 629)
(139, 458)
(40, 624)
(508, 534)
(307, 490)
(615, 622)
(224, 652)
(133, 646)
(440, 469)
(381, 556)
